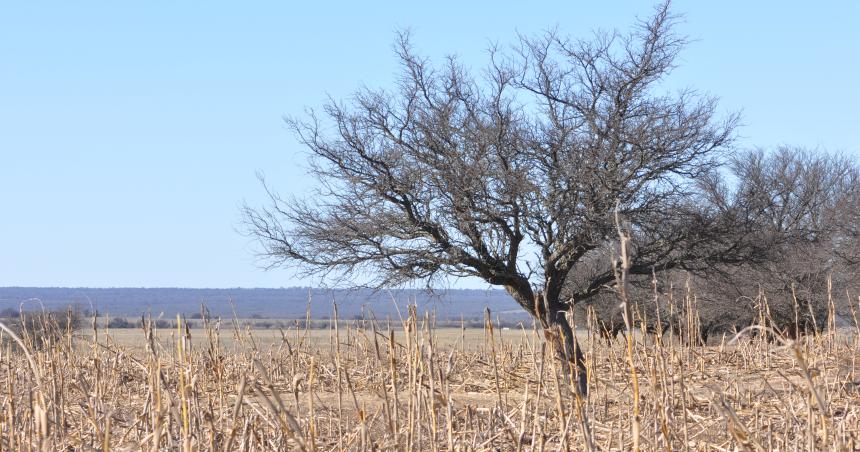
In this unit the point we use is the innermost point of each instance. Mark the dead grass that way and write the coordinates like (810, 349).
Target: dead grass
(406, 386)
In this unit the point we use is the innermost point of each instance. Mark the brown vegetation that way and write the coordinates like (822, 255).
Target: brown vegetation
(394, 387)
(38, 329)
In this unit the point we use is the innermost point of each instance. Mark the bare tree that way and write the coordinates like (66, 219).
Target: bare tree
(800, 208)
(805, 206)
(513, 177)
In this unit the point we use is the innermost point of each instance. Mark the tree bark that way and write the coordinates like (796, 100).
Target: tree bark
(551, 313)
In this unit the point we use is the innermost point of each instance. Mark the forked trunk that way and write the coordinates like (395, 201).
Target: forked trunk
(557, 330)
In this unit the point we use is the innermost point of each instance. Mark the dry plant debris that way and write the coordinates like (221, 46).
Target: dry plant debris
(405, 385)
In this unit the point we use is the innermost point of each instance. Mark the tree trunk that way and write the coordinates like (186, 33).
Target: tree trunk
(559, 331)
(551, 314)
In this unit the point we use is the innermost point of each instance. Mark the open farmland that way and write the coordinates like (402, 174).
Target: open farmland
(426, 226)
(464, 339)
(409, 386)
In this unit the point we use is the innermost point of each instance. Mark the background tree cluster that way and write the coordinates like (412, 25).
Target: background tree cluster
(803, 205)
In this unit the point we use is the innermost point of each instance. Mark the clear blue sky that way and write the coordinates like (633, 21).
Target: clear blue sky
(131, 131)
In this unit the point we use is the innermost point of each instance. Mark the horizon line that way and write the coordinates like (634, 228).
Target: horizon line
(245, 288)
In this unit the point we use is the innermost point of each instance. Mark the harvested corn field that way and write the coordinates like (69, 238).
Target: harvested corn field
(368, 385)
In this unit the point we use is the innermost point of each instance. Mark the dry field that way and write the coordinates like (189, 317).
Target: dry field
(408, 386)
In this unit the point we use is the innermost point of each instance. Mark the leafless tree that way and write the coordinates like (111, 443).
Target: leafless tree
(801, 207)
(513, 177)
(805, 205)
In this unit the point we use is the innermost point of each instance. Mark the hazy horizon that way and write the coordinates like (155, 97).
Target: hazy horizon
(289, 302)
(344, 288)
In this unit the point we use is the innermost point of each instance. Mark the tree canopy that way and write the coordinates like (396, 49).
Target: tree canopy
(515, 174)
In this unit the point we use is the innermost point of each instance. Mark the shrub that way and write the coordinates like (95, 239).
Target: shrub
(40, 329)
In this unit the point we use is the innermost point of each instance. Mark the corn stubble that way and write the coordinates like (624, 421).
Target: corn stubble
(390, 385)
